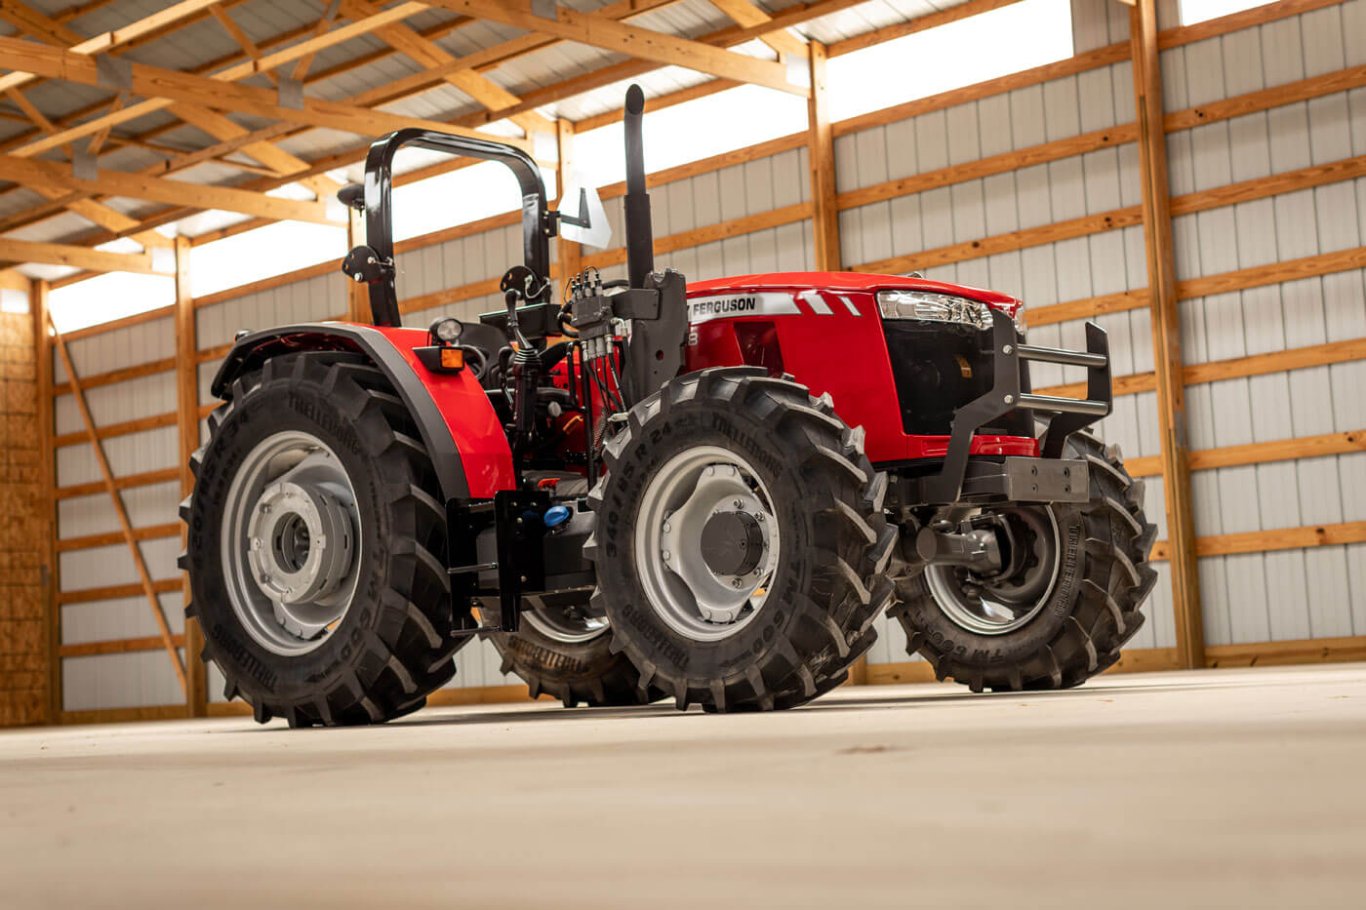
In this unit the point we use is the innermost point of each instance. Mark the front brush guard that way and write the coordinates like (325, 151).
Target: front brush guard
(1069, 414)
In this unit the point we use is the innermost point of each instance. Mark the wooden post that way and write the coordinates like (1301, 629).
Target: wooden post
(47, 477)
(357, 294)
(570, 254)
(1166, 325)
(187, 424)
(821, 145)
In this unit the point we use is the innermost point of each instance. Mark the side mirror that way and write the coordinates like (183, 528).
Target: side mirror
(582, 217)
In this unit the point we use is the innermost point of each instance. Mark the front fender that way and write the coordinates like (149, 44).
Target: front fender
(459, 427)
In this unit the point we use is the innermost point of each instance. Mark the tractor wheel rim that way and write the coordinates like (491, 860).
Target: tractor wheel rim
(569, 624)
(291, 543)
(697, 501)
(992, 606)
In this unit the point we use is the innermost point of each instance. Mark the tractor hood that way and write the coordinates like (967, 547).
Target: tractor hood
(850, 281)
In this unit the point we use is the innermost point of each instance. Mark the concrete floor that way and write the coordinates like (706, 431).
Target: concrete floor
(1223, 788)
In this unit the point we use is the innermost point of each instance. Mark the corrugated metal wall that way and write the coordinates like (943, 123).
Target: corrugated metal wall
(135, 678)
(1292, 594)
(1258, 597)
(1030, 197)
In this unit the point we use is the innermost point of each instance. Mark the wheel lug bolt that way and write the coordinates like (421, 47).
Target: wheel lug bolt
(667, 555)
(667, 528)
(738, 504)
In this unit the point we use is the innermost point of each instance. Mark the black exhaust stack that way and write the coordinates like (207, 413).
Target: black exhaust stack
(640, 241)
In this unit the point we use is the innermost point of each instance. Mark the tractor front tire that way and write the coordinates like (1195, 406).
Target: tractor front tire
(316, 441)
(771, 595)
(1077, 627)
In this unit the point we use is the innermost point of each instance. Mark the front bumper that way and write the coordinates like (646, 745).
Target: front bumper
(1018, 479)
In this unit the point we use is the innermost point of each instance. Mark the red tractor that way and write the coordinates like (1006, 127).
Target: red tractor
(648, 489)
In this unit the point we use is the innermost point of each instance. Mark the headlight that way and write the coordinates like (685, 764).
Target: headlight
(446, 330)
(933, 307)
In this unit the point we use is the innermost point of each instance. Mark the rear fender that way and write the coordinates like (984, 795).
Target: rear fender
(452, 411)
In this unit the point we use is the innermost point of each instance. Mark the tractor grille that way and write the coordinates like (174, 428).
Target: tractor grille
(940, 367)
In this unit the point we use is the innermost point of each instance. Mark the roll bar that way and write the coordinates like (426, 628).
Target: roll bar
(374, 262)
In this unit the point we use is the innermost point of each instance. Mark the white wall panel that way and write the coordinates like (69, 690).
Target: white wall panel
(1291, 594)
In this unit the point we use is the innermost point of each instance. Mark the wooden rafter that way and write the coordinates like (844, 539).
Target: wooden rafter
(47, 29)
(745, 13)
(427, 53)
(611, 35)
(81, 257)
(410, 86)
(120, 511)
(167, 87)
(171, 192)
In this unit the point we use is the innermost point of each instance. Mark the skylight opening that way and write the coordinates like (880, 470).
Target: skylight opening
(1193, 11)
(687, 132)
(459, 197)
(986, 46)
(105, 298)
(263, 252)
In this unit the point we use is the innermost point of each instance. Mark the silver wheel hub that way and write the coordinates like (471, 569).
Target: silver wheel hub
(290, 542)
(707, 543)
(997, 606)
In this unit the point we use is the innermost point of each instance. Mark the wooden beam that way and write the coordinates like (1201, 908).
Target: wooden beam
(50, 570)
(1007, 242)
(105, 41)
(123, 482)
(357, 293)
(220, 92)
(1353, 77)
(51, 30)
(81, 257)
(116, 592)
(1276, 450)
(618, 37)
(1272, 540)
(156, 189)
(919, 24)
(122, 374)
(187, 432)
(122, 715)
(821, 151)
(488, 59)
(711, 233)
(745, 13)
(1148, 660)
(570, 253)
(1283, 653)
(110, 538)
(1314, 355)
(126, 527)
(119, 646)
(427, 53)
(985, 167)
(111, 430)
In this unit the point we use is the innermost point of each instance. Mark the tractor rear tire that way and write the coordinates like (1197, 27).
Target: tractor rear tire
(577, 672)
(825, 542)
(1088, 613)
(389, 643)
